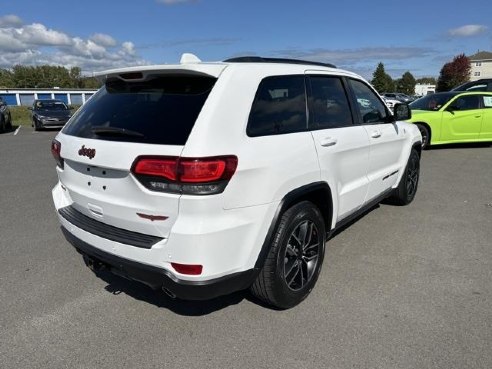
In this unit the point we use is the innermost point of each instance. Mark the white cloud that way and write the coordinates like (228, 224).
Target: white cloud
(10, 21)
(103, 39)
(128, 48)
(36, 44)
(468, 30)
(8, 43)
(38, 34)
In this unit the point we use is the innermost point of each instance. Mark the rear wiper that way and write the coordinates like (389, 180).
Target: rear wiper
(115, 131)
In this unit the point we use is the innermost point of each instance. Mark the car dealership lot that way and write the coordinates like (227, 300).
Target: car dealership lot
(406, 287)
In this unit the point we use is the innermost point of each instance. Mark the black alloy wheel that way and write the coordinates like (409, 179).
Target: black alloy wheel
(294, 259)
(412, 175)
(301, 255)
(407, 188)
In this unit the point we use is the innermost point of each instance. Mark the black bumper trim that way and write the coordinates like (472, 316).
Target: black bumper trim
(106, 231)
(157, 278)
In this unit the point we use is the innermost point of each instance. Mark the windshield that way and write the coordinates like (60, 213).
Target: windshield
(161, 110)
(50, 105)
(432, 102)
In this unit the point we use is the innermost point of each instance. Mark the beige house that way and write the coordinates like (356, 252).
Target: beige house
(481, 65)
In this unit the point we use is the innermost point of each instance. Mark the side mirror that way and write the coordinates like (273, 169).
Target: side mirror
(29, 108)
(401, 111)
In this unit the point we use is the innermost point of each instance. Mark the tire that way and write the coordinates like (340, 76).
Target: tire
(295, 258)
(407, 188)
(9, 124)
(2, 124)
(424, 131)
(36, 125)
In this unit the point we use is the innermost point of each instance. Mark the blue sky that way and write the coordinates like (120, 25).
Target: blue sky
(416, 36)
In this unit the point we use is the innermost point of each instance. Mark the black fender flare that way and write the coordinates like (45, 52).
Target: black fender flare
(318, 192)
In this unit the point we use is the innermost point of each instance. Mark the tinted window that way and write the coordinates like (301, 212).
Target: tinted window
(162, 110)
(432, 102)
(51, 105)
(466, 103)
(371, 108)
(279, 107)
(328, 103)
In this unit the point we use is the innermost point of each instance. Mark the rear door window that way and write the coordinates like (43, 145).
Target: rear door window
(279, 107)
(328, 103)
(160, 110)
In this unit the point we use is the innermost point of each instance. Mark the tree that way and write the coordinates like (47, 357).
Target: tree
(454, 73)
(90, 82)
(6, 79)
(427, 81)
(406, 84)
(382, 81)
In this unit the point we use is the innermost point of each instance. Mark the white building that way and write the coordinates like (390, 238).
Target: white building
(26, 96)
(422, 89)
(481, 65)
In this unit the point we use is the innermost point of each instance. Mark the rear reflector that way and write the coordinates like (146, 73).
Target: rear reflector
(187, 268)
(55, 151)
(196, 176)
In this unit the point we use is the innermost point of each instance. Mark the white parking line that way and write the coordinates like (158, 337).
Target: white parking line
(17, 130)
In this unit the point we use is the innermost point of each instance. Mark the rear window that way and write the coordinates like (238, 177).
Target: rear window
(160, 110)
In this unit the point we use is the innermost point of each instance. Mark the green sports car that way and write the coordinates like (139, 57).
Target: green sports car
(452, 117)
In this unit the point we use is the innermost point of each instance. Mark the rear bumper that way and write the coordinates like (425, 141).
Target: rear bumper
(158, 278)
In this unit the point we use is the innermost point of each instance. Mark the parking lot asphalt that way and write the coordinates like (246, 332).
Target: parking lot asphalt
(402, 287)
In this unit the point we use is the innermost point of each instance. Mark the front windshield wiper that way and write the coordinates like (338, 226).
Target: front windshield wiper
(115, 131)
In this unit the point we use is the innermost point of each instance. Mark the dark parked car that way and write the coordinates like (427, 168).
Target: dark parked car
(49, 114)
(480, 85)
(5, 117)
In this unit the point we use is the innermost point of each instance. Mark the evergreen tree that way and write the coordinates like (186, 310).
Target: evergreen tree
(406, 84)
(382, 81)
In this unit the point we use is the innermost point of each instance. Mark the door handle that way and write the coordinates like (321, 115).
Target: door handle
(376, 134)
(478, 116)
(328, 141)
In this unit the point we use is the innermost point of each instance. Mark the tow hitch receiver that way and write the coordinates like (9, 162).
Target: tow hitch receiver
(93, 264)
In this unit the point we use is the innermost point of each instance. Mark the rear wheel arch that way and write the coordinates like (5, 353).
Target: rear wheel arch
(318, 193)
(294, 259)
(417, 147)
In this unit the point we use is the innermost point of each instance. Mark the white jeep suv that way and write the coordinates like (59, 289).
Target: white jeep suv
(206, 178)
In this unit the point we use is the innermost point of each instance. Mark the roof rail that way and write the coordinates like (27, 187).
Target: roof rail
(259, 59)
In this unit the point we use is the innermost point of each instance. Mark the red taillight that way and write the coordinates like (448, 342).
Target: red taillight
(189, 269)
(206, 170)
(55, 151)
(164, 167)
(196, 176)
